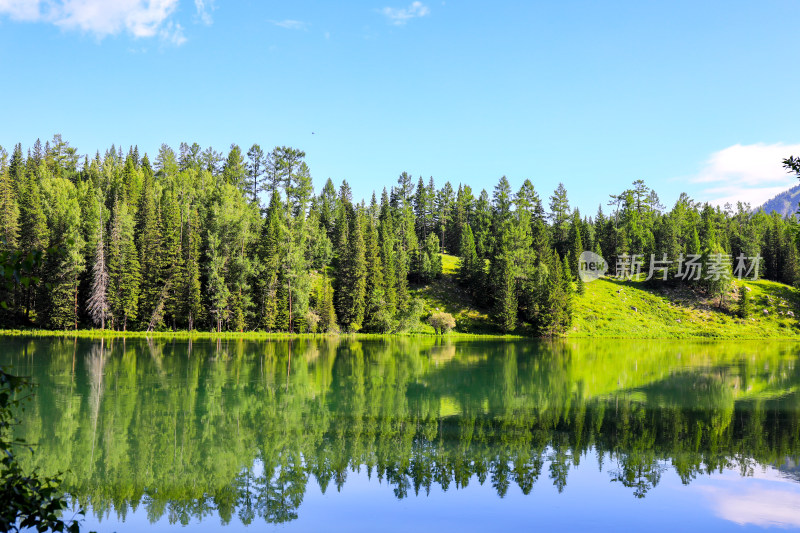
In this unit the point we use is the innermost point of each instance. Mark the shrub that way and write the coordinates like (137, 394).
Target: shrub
(441, 322)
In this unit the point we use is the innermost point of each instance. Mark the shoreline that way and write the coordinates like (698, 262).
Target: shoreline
(246, 335)
(265, 336)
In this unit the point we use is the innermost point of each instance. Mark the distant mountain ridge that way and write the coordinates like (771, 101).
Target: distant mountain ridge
(785, 203)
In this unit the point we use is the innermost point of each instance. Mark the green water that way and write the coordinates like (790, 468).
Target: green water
(312, 434)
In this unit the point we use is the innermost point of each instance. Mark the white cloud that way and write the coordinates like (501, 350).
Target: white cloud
(20, 9)
(762, 505)
(748, 173)
(399, 16)
(204, 9)
(139, 18)
(290, 24)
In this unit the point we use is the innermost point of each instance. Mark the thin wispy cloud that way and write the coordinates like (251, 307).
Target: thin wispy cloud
(289, 24)
(204, 9)
(400, 16)
(22, 10)
(748, 173)
(102, 18)
(172, 33)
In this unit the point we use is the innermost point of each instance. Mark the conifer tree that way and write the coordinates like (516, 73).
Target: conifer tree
(191, 287)
(218, 292)
(9, 212)
(386, 241)
(576, 247)
(33, 231)
(255, 171)
(505, 306)
(745, 306)
(170, 261)
(444, 212)
(234, 171)
(269, 264)
(470, 267)
(559, 217)
(376, 316)
(149, 242)
(97, 304)
(351, 275)
(327, 313)
(123, 268)
(481, 226)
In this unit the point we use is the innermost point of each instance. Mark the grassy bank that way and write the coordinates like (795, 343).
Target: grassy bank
(614, 309)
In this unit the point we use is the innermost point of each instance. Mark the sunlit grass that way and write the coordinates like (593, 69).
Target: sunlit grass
(611, 308)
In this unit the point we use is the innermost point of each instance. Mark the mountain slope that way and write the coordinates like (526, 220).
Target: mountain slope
(785, 203)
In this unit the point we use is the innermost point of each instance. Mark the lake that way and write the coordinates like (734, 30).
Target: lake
(417, 433)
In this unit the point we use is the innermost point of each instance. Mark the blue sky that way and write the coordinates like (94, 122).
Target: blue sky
(699, 97)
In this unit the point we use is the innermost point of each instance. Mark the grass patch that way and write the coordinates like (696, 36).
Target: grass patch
(629, 309)
(445, 294)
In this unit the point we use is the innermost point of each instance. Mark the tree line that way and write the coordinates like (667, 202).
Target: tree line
(200, 240)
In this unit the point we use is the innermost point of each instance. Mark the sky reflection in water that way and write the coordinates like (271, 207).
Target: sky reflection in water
(418, 433)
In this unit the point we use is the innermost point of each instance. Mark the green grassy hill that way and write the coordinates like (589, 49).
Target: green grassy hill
(610, 308)
(445, 294)
(613, 309)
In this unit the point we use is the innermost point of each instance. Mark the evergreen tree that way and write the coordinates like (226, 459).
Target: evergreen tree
(33, 232)
(559, 217)
(97, 304)
(191, 295)
(745, 306)
(444, 212)
(123, 268)
(351, 275)
(234, 171)
(327, 313)
(386, 242)
(376, 317)
(505, 306)
(481, 226)
(470, 270)
(57, 302)
(255, 171)
(9, 212)
(149, 241)
(555, 315)
(269, 261)
(576, 247)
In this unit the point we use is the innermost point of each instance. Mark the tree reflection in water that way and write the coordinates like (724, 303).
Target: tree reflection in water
(240, 428)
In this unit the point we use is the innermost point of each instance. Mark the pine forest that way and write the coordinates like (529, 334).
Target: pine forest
(201, 240)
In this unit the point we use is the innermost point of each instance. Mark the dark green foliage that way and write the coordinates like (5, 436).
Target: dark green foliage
(324, 306)
(351, 270)
(559, 217)
(554, 297)
(505, 299)
(470, 270)
(745, 307)
(428, 263)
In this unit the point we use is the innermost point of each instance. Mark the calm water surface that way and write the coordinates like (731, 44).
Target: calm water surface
(417, 433)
